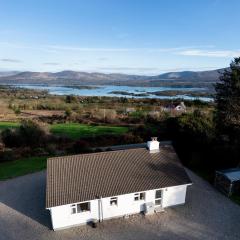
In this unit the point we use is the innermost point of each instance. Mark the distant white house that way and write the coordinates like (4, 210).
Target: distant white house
(98, 186)
(130, 110)
(181, 107)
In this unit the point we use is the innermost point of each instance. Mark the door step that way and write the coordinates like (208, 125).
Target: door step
(158, 210)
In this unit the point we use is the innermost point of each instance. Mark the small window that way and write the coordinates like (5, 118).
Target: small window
(158, 202)
(158, 194)
(80, 207)
(113, 201)
(73, 209)
(139, 196)
(83, 207)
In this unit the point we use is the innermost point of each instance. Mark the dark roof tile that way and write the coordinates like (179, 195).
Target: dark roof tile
(79, 178)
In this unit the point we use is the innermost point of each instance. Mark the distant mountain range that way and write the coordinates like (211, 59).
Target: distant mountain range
(68, 78)
(8, 73)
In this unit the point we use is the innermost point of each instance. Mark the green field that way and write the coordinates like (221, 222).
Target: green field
(5, 125)
(21, 167)
(76, 130)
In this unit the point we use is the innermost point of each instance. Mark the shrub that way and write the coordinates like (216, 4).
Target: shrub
(193, 135)
(81, 146)
(33, 133)
(71, 99)
(68, 112)
(17, 111)
(7, 155)
(11, 138)
(39, 152)
(30, 133)
(2, 146)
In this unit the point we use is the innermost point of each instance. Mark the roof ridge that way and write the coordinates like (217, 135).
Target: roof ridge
(95, 153)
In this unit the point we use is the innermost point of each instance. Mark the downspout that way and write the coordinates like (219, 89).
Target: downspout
(100, 209)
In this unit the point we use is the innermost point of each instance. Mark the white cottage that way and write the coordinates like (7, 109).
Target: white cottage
(181, 107)
(98, 186)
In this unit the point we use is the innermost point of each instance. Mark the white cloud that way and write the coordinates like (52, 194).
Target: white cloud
(129, 68)
(10, 60)
(147, 70)
(56, 48)
(89, 49)
(206, 53)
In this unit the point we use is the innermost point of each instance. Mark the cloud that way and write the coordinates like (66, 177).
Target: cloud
(89, 49)
(28, 47)
(183, 48)
(51, 63)
(129, 68)
(102, 59)
(56, 48)
(10, 60)
(153, 69)
(206, 53)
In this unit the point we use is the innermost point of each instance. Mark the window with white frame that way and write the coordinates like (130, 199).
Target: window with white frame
(80, 207)
(158, 197)
(139, 196)
(113, 201)
(73, 208)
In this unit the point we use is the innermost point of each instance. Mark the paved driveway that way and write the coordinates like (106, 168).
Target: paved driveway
(206, 215)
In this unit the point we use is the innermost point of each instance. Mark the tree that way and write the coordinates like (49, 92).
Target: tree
(68, 112)
(228, 102)
(71, 99)
(196, 127)
(33, 133)
(30, 133)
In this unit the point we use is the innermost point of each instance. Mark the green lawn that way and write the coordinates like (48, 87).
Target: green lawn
(21, 167)
(76, 130)
(5, 125)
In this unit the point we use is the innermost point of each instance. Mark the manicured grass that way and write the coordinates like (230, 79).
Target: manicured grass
(5, 125)
(21, 167)
(76, 130)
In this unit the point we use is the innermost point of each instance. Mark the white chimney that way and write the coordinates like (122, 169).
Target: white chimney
(153, 145)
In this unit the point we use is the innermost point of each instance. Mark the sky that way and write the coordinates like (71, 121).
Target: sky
(128, 36)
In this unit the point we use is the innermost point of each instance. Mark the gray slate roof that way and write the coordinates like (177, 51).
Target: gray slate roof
(78, 178)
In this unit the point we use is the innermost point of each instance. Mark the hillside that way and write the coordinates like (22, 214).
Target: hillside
(185, 78)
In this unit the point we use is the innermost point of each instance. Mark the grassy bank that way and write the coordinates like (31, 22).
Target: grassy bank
(21, 167)
(5, 125)
(76, 130)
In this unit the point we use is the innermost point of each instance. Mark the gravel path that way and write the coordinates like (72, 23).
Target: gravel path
(206, 215)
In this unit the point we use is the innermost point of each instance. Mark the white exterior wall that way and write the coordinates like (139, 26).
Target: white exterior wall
(174, 196)
(62, 217)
